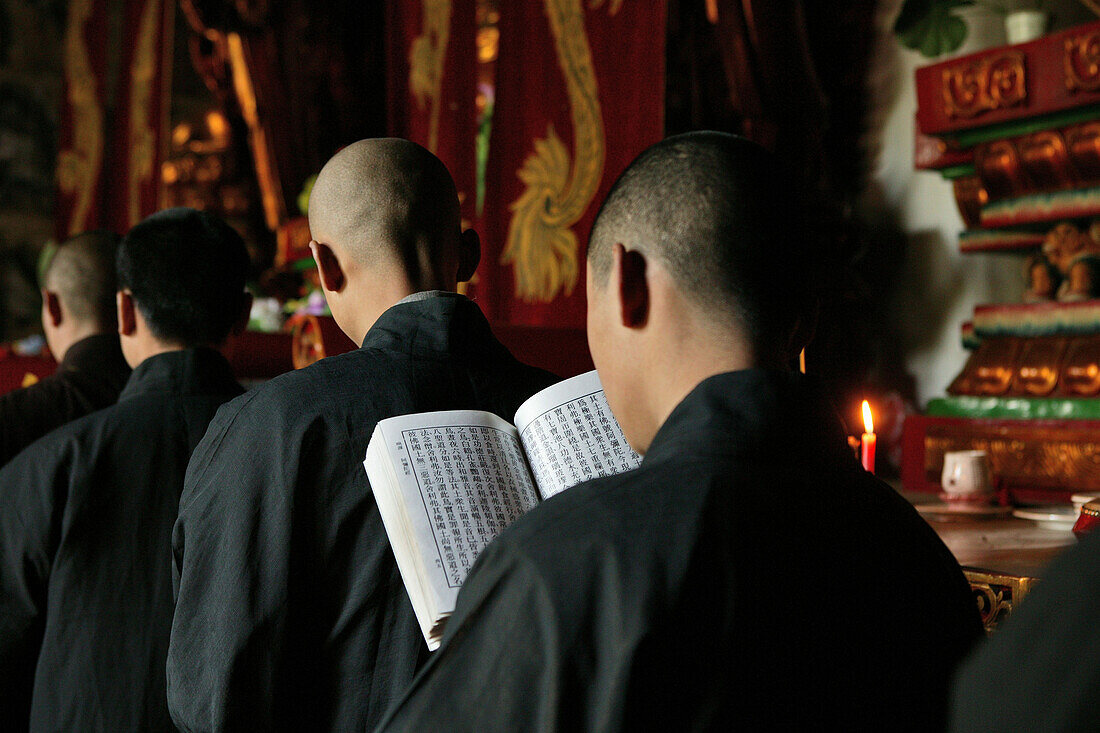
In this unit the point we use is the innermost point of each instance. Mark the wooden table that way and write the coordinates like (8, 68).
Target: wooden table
(1002, 556)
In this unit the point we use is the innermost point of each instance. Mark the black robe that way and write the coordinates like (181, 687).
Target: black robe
(89, 378)
(291, 613)
(86, 516)
(749, 574)
(1041, 670)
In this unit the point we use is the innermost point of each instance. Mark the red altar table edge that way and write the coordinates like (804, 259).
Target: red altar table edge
(1034, 460)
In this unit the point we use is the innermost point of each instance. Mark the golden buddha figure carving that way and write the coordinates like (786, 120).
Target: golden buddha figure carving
(1042, 279)
(1063, 243)
(1083, 280)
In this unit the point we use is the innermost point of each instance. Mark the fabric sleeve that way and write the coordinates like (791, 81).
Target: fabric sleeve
(30, 508)
(499, 666)
(231, 566)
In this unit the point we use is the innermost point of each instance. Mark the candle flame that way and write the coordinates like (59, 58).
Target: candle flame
(868, 424)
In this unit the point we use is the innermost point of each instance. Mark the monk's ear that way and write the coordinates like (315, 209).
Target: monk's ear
(628, 276)
(51, 304)
(331, 272)
(469, 254)
(127, 320)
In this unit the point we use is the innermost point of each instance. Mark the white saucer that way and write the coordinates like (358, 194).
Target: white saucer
(1061, 518)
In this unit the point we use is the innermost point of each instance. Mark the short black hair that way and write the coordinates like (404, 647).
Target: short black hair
(82, 273)
(715, 211)
(186, 270)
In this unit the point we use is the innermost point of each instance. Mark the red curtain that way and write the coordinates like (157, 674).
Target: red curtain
(432, 84)
(112, 149)
(579, 93)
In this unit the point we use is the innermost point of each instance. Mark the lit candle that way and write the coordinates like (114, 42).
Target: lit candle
(867, 442)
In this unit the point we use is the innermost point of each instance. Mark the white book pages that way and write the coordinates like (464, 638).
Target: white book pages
(458, 479)
(570, 435)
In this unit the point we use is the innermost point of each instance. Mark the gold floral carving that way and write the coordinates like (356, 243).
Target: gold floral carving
(993, 82)
(78, 166)
(427, 57)
(541, 245)
(1081, 62)
(143, 138)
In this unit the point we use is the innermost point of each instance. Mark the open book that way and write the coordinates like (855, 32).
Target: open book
(447, 483)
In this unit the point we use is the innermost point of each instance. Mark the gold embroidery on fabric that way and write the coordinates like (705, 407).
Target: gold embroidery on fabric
(267, 171)
(427, 57)
(78, 167)
(541, 246)
(142, 136)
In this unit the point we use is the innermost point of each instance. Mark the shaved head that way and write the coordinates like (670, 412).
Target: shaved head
(386, 202)
(82, 273)
(711, 208)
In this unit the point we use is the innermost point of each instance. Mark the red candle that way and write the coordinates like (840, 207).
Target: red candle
(867, 442)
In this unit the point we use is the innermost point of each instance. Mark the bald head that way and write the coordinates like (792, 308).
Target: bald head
(710, 208)
(386, 202)
(82, 274)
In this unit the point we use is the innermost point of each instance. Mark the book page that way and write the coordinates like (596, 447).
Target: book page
(463, 479)
(570, 435)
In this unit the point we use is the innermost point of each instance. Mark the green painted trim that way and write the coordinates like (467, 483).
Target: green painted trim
(970, 138)
(958, 171)
(1015, 408)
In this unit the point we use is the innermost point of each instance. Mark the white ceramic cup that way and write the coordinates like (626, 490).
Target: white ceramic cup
(1022, 26)
(967, 472)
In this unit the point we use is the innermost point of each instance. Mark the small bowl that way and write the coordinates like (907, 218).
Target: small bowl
(1079, 500)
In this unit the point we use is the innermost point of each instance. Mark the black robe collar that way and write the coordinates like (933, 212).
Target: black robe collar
(92, 352)
(188, 371)
(442, 323)
(755, 411)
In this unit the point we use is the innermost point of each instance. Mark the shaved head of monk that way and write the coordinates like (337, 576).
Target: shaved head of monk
(385, 224)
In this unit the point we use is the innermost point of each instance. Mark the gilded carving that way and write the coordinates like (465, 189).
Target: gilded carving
(990, 369)
(1046, 158)
(267, 175)
(1038, 366)
(1081, 370)
(996, 594)
(427, 57)
(970, 196)
(78, 167)
(1034, 456)
(541, 246)
(1083, 142)
(991, 82)
(1081, 62)
(998, 165)
(143, 138)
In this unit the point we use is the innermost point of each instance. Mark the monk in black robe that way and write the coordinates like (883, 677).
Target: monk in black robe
(1041, 670)
(86, 513)
(749, 574)
(291, 611)
(78, 319)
